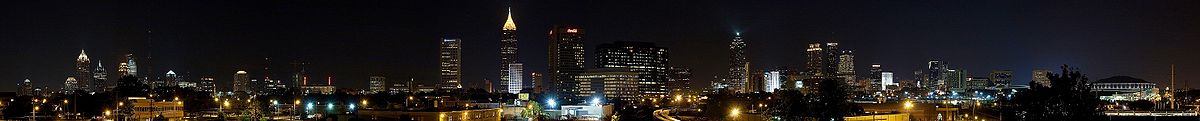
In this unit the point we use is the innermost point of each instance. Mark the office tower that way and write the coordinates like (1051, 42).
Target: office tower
(680, 80)
(71, 85)
(876, 76)
(1001, 78)
(300, 74)
(100, 80)
(739, 64)
(886, 78)
(513, 84)
(934, 78)
(508, 55)
(609, 83)
(755, 83)
(130, 66)
(378, 84)
(1042, 77)
(977, 83)
(822, 60)
(845, 71)
(83, 72)
(26, 88)
(648, 60)
(956, 80)
(241, 82)
(774, 80)
(566, 58)
(451, 60)
(171, 79)
(536, 80)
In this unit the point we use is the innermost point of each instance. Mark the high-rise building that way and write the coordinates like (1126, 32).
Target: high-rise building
(680, 81)
(755, 83)
(566, 58)
(876, 75)
(822, 62)
(1001, 78)
(536, 80)
(26, 88)
(934, 78)
(845, 71)
(71, 85)
(648, 60)
(83, 72)
(773, 80)
(451, 63)
(130, 66)
(100, 80)
(508, 55)
(207, 84)
(378, 84)
(739, 64)
(300, 76)
(513, 84)
(1042, 77)
(956, 80)
(241, 82)
(887, 78)
(171, 79)
(977, 83)
(609, 83)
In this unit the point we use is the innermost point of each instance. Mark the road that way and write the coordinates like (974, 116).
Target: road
(664, 115)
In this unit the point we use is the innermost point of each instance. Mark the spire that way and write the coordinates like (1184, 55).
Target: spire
(82, 56)
(509, 24)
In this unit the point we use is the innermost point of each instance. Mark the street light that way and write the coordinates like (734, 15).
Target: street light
(734, 112)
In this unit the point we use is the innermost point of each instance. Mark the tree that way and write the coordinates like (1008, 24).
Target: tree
(1069, 98)
(833, 100)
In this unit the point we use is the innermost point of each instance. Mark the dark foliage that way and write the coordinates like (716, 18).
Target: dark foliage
(1068, 98)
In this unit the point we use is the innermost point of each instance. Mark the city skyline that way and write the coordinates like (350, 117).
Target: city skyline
(196, 42)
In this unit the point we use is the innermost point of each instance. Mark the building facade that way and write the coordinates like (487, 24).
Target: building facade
(739, 64)
(648, 60)
(378, 84)
(241, 82)
(1042, 77)
(450, 63)
(83, 73)
(1001, 78)
(516, 79)
(565, 60)
(610, 84)
(508, 54)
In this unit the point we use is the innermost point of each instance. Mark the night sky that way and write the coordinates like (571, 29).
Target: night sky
(351, 40)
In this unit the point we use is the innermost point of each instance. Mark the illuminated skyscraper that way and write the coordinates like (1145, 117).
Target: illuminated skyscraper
(71, 85)
(566, 58)
(876, 77)
(83, 72)
(241, 82)
(378, 84)
(1041, 76)
(508, 54)
(822, 61)
(100, 80)
(739, 64)
(934, 78)
(774, 80)
(207, 84)
(451, 60)
(680, 81)
(1001, 78)
(887, 80)
(648, 60)
(845, 70)
(610, 84)
(25, 88)
(130, 66)
(171, 79)
(515, 78)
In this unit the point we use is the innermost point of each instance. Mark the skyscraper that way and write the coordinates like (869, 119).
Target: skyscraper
(515, 78)
(739, 64)
(774, 80)
(1041, 76)
(536, 80)
(451, 60)
(130, 66)
(956, 80)
(845, 70)
(378, 84)
(680, 81)
(241, 82)
(876, 77)
(822, 61)
(83, 72)
(26, 88)
(934, 78)
(171, 79)
(887, 80)
(207, 84)
(648, 60)
(610, 83)
(1001, 78)
(566, 58)
(300, 76)
(100, 78)
(71, 85)
(508, 54)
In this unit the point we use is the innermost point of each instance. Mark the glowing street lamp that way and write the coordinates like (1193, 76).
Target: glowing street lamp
(734, 112)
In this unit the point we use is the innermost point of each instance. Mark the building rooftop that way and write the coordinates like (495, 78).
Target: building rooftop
(1120, 79)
